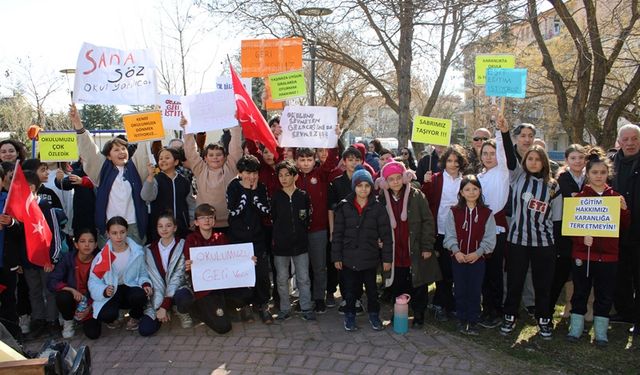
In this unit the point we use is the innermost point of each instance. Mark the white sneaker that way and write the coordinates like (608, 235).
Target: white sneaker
(68, 329)
(25, 324)
(185, 320)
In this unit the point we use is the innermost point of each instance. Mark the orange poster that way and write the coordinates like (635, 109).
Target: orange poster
(269, 104)
(261, 57)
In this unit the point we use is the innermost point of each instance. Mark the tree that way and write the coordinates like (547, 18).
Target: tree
(16, 115)
(100, 117)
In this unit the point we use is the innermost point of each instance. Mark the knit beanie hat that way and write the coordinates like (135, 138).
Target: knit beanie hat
(390, 169)
(360, 175)
(393, 168)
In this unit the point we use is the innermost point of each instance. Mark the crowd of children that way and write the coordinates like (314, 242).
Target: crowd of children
(474, 223)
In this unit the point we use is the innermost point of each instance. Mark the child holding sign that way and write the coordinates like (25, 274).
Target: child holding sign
(595, 258)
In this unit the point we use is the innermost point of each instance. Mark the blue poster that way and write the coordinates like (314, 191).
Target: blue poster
(510, 83)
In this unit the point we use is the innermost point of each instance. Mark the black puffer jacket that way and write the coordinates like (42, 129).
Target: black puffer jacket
(291, 217)
(355, 237)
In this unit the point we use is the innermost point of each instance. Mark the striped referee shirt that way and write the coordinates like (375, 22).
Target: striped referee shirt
(535, 206)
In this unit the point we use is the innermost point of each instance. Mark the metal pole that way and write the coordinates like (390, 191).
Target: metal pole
(312, 53)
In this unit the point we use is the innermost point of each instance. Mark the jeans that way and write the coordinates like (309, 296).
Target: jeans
(318, 260)
(301, 264)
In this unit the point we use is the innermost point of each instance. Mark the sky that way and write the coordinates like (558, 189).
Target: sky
(50, 33)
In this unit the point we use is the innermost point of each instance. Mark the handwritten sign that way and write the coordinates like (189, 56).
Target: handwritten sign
(287, 85)
(58, 146)
(484, 62)
(267, 102)
(224, 83)
(591, 216)
(209, 111)
(143, 126)
(222, 267)
(434, 131)
(306, 126)
(112, 76)
(505, 82)
(262, 57)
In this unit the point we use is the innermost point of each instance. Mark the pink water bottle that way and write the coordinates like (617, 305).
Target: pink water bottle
(401, 314)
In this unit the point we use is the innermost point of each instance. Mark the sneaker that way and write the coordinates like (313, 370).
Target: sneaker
(508, 324)
(282, 316)
(25, 324)
(342, 307)
(440, 314)
(68, 329)
(617, 318)
(265, 316)
(132, 324)
(359, 308)
(186, 321)
(545, 328)
(308, 315)
(489, 322)
(116, 324)
(471, 330)
(461, 328)
(246, 314)
(330, 301)
(320, 307)
(350, 322)
(376, 324)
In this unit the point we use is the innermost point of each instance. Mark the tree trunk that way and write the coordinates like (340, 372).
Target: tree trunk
(404, 71)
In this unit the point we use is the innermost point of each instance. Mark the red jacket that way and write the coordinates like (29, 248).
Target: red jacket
(604, 249)
(470, 229)
(316, 184)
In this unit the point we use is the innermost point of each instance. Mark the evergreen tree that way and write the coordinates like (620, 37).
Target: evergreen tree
(101, 117)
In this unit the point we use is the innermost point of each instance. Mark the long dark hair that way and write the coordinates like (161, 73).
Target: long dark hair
(411, 161)
(544, 158)
(473, 180)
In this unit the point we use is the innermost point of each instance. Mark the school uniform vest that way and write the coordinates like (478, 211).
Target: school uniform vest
(470, 227)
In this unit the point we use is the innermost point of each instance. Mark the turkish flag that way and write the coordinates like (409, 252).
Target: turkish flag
(23, 206)
(254, 126)
(104, 264)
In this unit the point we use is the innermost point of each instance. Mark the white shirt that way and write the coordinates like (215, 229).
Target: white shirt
(121, 199)
(120, 263)
(165, 251)
(495, 182)
(449, 198)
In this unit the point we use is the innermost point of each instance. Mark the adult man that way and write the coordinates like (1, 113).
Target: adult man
(626, 181)
(479, 136)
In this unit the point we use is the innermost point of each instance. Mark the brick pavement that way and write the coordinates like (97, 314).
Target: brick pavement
(293, 347)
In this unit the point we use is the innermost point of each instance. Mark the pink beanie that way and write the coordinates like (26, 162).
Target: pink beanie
(393, 168)
(381, 183)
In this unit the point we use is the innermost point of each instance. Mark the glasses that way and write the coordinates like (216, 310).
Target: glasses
(480, 139)
(205, 218)
(405, 153)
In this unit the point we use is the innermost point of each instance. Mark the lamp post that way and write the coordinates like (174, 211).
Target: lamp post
(67, 72)
(313, 12)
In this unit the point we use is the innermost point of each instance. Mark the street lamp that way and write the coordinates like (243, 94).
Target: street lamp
(313, 12)
(67, 72)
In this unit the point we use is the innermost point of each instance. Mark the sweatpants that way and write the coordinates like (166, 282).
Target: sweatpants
(318, 259)
(602, 276)
(443, 296)
(627, 292)
(43, 304)
(492, 285)
(353, 281)
(132, 298)
(467, 279)
(402, 283)
(182, 299)
(67, 307)
(542, 261)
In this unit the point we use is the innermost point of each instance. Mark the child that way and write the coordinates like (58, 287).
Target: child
(42, 170)
(210, 306)
(441, 190)
(168, 191)
(470, 234)
(360, 223)
(536, 207)
(165, 264)
(84, 196)
(595, 258)
(414, 266)
(314, 180)
(248, 204)
(69, 282)
(291, 214)
(214, 171)
(119, 278)
(118, 178)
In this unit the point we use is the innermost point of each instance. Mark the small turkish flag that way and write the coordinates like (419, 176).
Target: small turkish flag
(254, 126)
(23, 206)
(104, 264)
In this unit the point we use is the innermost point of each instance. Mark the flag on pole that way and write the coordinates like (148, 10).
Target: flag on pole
(254, 126)
(104, 264)
(22, 205)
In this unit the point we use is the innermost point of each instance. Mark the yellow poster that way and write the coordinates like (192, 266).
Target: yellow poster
(434, 131)
(483, 62)
(58, 146)
(591, 216)
(143, 126)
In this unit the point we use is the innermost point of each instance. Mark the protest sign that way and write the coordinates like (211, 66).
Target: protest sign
(288, 85)
(222, 267)
(267, 102)
(224, 83)
(143, 126)
(112, 76)
(209, 111)
(58, 146)
(171, 110)
(505, 82)
(484, 62)
(306, 126)
(434, 131)
(262, 57)
(591, 216)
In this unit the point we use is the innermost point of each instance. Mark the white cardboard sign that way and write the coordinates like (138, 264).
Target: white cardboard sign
(171, 109)
(209, 111)
(222, 267)
(307, 126)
